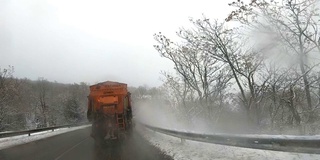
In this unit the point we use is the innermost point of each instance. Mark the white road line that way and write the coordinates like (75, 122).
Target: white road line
(71, 148)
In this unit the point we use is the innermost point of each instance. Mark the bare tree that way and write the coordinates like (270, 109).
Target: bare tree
(296, 24)
(196, 67)
(228, 47)
(10, 109)
(180, 96)
(75, 104)
(43, 89)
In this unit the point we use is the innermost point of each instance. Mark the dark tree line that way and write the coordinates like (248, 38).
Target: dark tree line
(27, 104)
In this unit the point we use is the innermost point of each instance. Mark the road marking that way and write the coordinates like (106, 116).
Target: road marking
(71, 148)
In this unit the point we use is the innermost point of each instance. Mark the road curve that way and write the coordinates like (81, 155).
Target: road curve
(79, 145)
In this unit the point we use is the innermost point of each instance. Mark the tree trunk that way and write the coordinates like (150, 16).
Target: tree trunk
(293, 110)
(306, 89)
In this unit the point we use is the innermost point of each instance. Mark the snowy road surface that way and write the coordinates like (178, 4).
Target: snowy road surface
(191, 150)
(79, 145)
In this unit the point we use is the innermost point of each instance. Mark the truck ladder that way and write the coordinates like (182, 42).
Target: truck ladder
(121, 126)
(120, 122)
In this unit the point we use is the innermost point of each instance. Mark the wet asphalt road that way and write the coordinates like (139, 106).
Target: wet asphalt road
(78, 145)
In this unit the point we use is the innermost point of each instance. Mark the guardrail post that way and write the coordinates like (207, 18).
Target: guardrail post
(183, 141)
(153, 132)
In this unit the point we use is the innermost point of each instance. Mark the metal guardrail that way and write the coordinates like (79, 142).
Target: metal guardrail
(299, 144)
(29, 132)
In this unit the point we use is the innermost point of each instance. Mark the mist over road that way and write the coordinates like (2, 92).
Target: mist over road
(79, 145)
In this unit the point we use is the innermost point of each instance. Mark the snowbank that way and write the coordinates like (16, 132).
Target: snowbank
(22, 139)
(191, 150)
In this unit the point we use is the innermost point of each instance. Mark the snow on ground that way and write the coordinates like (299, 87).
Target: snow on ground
(22, 139)
(192, 150)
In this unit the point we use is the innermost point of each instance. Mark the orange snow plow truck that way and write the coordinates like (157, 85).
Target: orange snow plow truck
(109, 110)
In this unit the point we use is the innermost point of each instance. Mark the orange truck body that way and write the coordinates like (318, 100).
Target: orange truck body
(109, 110)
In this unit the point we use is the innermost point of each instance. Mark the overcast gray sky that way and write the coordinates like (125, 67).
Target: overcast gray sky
(93, 40)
